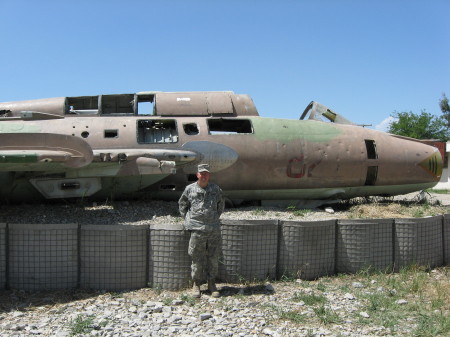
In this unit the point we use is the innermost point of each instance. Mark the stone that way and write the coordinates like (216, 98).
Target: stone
(204, 317)
(270, 332)
(329, 210)
(250, 315)
(269, 288)
(349, 296)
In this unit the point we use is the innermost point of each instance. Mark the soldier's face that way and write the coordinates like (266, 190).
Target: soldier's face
(203, 177)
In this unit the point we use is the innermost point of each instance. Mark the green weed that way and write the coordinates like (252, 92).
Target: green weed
(326, 316)
(81, 325)
(293, 316)
(259, 211)
(167, 301)
(290, 315)
(114, 294)
(379, 302)
(438, 191)
(298, 212)
(432, 324)
(157, 288)
(427, 301)
(309, 299)
(288, 277)
(188, 299)
(321, 286)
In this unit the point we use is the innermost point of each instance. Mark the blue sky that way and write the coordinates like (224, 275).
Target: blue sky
(363, 59)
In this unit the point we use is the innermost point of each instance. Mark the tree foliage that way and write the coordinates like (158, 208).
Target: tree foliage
(445, 108)
(419, 126)
(423, 125)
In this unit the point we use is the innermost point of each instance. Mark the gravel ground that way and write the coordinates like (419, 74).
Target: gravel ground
(148, 212)
(342, 306)
(243, 310)
(138, 213)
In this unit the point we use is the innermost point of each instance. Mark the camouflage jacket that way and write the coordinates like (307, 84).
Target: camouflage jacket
(201, 207)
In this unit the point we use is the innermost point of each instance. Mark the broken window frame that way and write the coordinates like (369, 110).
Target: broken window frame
(112, 105)
(111, 133)
(83, 105)
(142, 109)
(229, 126)
(371, 176)
(371, 148)
(191, 129)
(157, 131)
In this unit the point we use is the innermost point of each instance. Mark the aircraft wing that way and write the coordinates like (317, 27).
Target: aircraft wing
(147, 165)
(42, 152)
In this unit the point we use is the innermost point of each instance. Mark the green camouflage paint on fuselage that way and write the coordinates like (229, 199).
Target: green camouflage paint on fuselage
(19, 158)
(21, 162)
(285, 130)
(19, 128)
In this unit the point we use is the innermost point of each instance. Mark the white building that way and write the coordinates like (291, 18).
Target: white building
(444, 183)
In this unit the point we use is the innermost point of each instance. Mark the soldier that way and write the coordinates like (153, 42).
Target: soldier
(201, 205)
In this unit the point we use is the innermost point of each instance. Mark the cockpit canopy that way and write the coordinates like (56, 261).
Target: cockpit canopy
(220, 103)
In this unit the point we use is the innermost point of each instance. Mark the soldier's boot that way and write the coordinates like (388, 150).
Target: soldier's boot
(213, 289)
(196, 293)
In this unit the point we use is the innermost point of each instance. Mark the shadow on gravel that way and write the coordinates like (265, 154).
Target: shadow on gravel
(245, 291)
(19, 300)
(112, 213)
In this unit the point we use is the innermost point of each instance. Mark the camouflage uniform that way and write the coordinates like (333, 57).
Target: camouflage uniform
(201, 209)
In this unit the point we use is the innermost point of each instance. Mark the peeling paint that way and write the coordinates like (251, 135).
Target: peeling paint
(286, 131)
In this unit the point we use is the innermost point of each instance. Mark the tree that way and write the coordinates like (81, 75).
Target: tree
(445, 108)
(422, 126)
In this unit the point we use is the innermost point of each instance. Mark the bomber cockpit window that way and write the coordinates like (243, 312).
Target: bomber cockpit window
(145, 104)
(85, 105)
(122, 104)
(229, 126)
(157, 131)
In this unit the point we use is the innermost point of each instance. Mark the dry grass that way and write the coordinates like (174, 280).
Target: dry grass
(372, 208)
(378, 210)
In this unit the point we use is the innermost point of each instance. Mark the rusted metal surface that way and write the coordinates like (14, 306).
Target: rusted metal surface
(112, 141)
(56, 106)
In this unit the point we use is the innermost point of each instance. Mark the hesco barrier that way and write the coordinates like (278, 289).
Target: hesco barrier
(169, 264)
(364, 243)
(419, 241)
(446, 239)
(307, 249)
(113, 257)
(249, 250)
(42, 256)
(116, 257)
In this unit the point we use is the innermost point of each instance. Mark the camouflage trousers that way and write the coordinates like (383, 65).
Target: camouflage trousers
(205, 249)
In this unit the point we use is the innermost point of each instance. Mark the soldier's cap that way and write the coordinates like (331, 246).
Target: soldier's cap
(203, 168)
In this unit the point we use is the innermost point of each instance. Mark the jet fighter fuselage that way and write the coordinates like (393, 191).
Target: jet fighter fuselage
(121, 146)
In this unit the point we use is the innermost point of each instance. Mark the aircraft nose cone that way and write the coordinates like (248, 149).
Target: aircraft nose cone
(433, 165)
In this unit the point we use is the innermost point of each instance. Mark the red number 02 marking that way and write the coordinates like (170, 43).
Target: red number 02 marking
(297, 168)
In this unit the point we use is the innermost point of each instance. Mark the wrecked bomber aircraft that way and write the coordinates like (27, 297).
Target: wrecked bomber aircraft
(126, 145)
